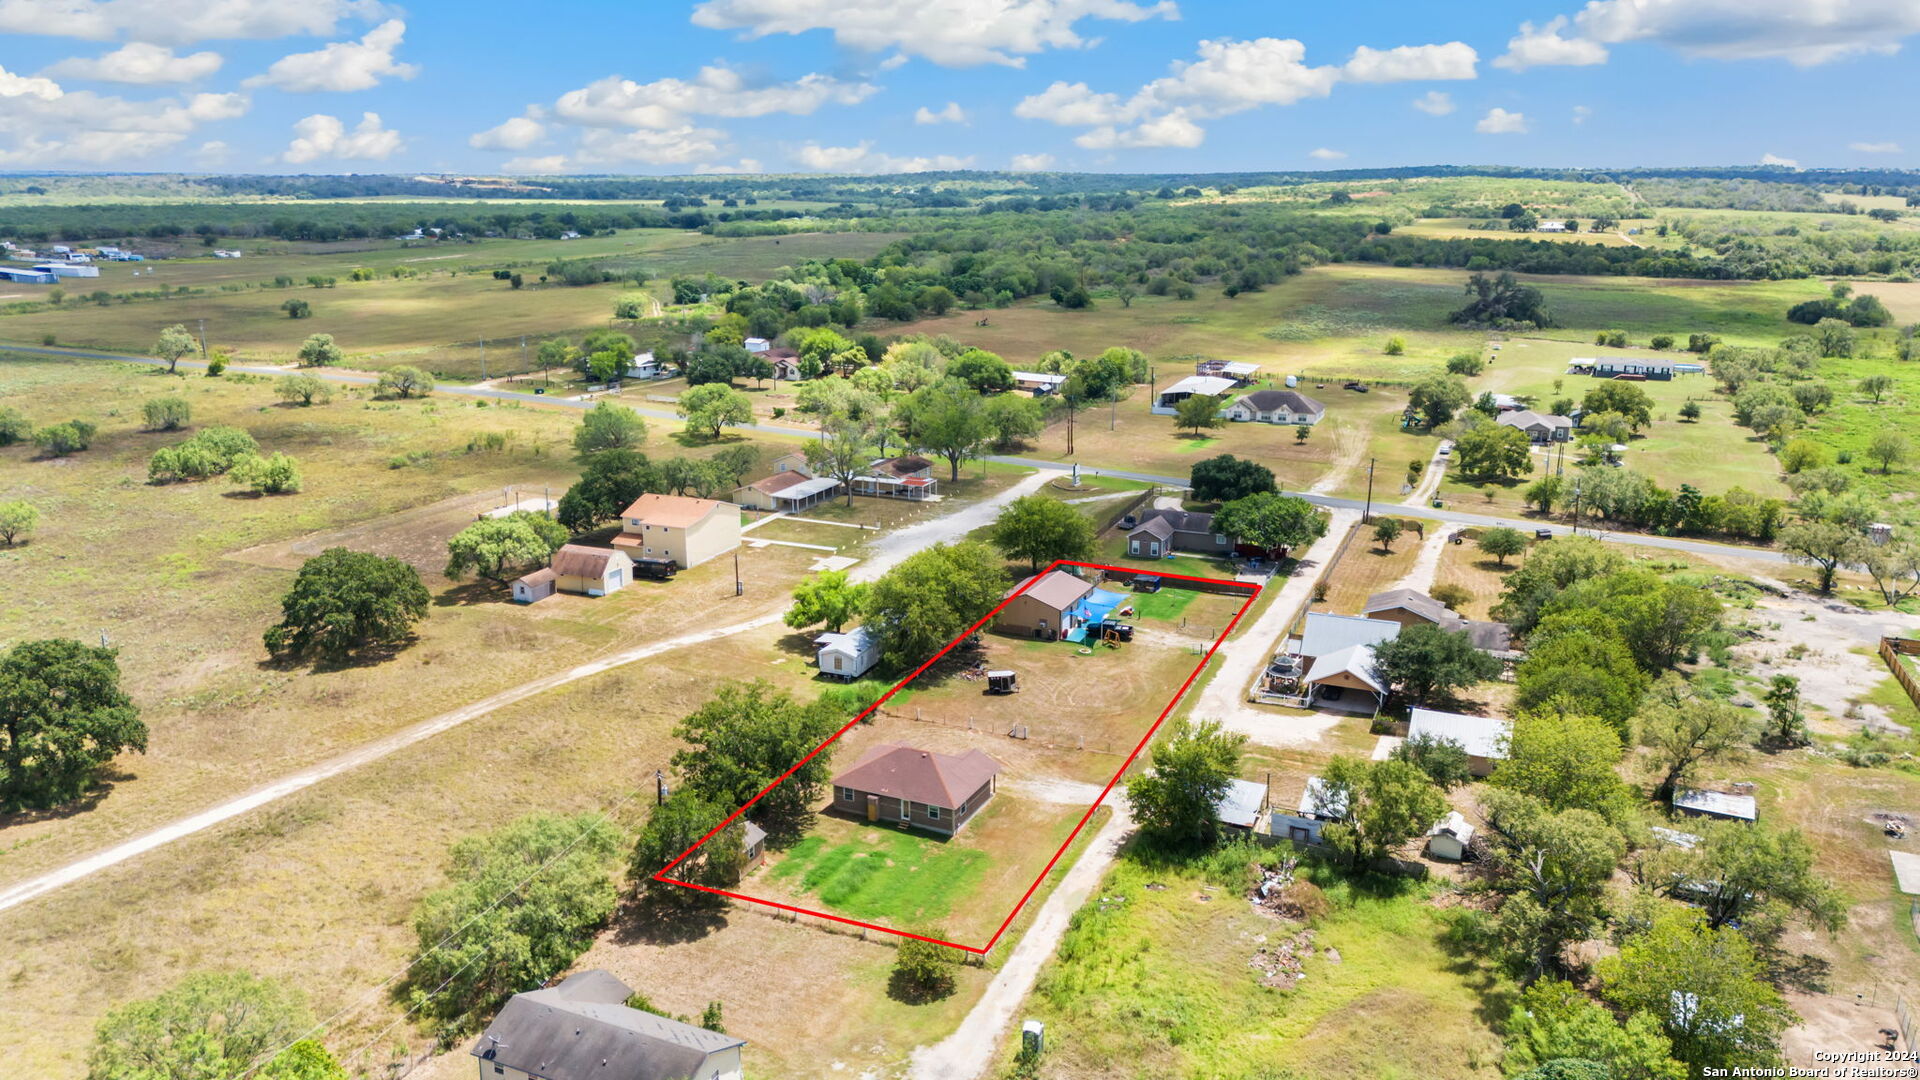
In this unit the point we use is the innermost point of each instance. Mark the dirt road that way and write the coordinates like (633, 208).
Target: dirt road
(969, 1052)
(885, 552)
(1224, 698)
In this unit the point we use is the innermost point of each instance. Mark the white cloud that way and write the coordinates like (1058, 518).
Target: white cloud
(1435, 103)
(682, 145)
(1174, 129)
(1875, 147)
(1543, 46)
(342, 66)
(1325, 154)
(552, 163)
(1499, 121)
(322, 136)
(745, 165)
(515, 134)
(1454, 60)
(1580, 114)
(716, 91)
(42, 124)
(28, 86)
(951, 114)
(865, 159)
(179, 22)
(140, 63)
(1071, 105)
(1230, 76)
(212, 154)
(1032, 162)
(1803, 32)
(1776, 159)
(952, 33)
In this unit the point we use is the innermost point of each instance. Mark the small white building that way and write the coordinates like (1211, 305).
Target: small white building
(1449, 837)
(1551, 226)
(593, 571)
(757, 345)
(847, 656)
(1168, 400)
(536, 586)
(1699, 802)
(644, 366)
(1037, 382)
(1241, 805)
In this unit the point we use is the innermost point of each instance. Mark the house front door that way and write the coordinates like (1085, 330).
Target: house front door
(906, 810)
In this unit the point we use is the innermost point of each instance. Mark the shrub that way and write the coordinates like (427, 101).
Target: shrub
(207, 453)
(1451, 594)
(13, 426)
(275, 474)
(166, 413)
(922, 971)
(403, 382)
(59, 440)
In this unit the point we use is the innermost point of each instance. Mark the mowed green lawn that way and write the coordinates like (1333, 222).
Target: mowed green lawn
(883, 872)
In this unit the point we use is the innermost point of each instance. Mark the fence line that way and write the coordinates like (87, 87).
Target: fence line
(1891, 650)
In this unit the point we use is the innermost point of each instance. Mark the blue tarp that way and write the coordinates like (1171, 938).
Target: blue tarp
(1097, 605)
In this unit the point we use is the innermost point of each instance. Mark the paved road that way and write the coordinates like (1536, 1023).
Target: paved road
(1668, 543)
(970, 1051)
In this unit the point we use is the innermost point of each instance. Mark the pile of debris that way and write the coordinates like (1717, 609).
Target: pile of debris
(1278, 895)
(1278, 962)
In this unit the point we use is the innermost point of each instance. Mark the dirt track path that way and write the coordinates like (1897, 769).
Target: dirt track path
(883, 554)
(970, 1051)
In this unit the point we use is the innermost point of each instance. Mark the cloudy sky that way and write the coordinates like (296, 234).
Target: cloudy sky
(900, 85)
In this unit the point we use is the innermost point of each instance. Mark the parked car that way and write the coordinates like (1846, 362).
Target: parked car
(1543, 534)
(1446, 448)
(1129, 522)
(656, 569)
(1123, 631)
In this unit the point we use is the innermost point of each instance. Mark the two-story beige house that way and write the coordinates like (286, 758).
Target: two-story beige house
(679, 527)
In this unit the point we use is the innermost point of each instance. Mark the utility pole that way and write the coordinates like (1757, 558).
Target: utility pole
(1367, 515)
(739, 587)
(1069, 427)
(1113, 414)
(523, 352)
(483, 359)
(203, 340)
(1576, 508)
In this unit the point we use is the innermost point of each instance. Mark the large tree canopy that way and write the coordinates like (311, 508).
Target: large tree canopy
(62, 717)
(211, 1025)
(1271, 521)
(1177, 800)
(346, 600)
(926, 601)
(1225, 478)
(1041, 529)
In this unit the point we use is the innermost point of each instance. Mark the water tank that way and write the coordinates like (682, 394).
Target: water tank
(1293, 381)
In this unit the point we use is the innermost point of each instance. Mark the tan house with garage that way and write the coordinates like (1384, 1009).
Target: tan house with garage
(927, 790)
(679, 527)
(592, 571)
(1041, 611)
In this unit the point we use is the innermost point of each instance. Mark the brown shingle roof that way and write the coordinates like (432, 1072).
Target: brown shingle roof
(903, 466)
(672, 511)
(538, 577)
(1187, 521)
(578, 560)
(1409, 600)
(922, 776)
(778, 482)
(1057, 589)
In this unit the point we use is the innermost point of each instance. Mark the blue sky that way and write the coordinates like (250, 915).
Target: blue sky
(898, 85)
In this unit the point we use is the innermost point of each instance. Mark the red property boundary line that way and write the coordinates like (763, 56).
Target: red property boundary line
(1252, 595)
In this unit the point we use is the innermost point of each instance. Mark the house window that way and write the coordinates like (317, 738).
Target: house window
(846, 794)
(933, 812)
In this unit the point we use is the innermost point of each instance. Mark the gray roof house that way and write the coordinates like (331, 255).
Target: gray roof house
(1538, 427)
(1163, 532)
(1484, 738)
(1701, 802)
(582, 1029)
(1326, 633)
(1276, 407)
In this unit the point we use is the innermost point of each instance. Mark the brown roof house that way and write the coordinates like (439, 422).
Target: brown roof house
(1044, 609)
(687, 530)
(1411, 607)
(582, 1029)
(928, 790)
(1538, 427)
(787, 491)
(593, 571)
(1163, 532)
